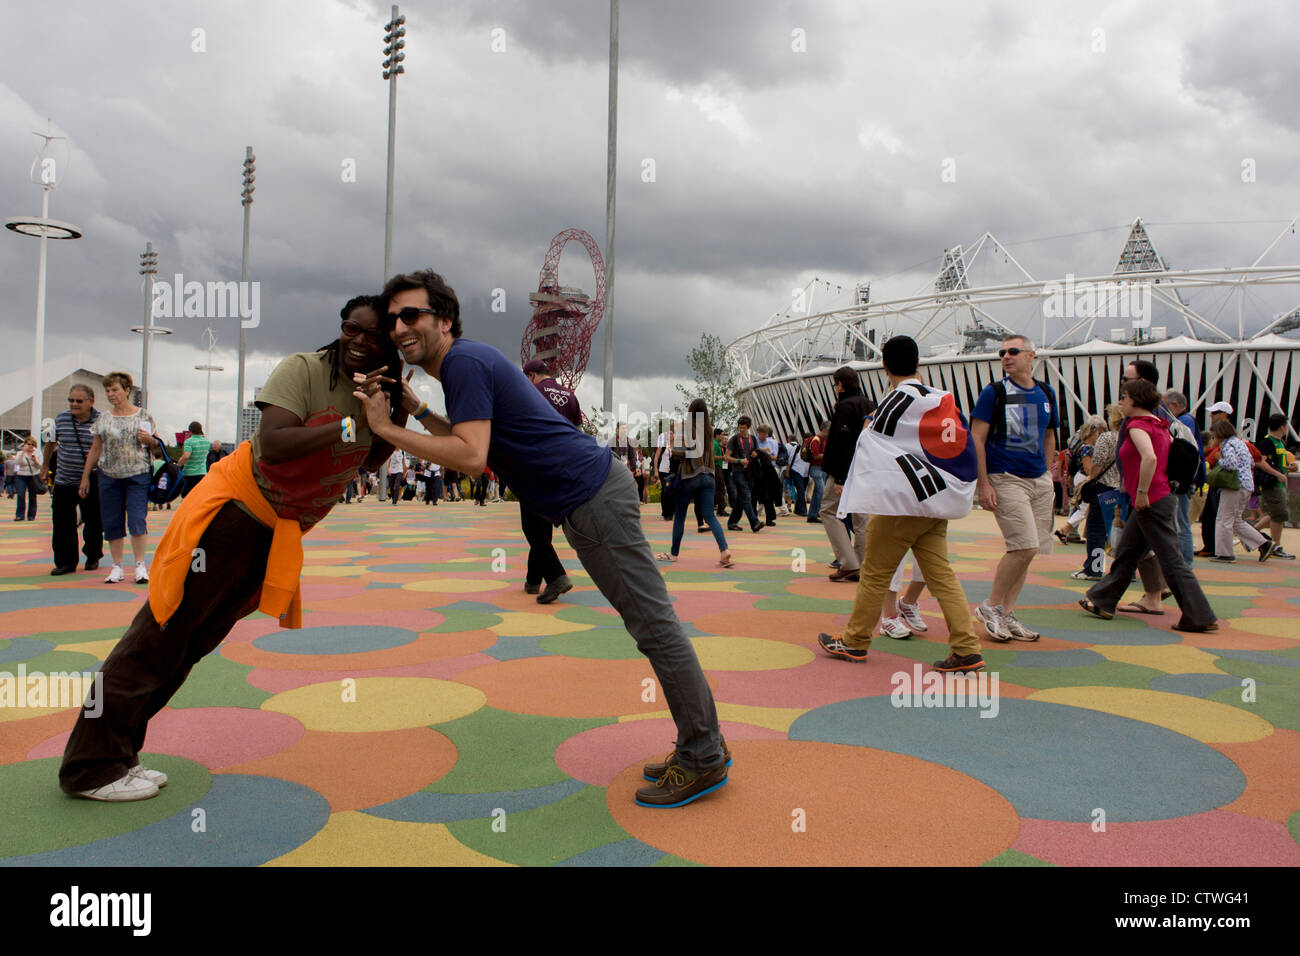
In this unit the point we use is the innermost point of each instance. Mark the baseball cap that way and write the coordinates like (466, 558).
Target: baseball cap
(536, 366)
(1220, 407)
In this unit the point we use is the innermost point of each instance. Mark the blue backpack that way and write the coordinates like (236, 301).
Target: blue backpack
(167, 481)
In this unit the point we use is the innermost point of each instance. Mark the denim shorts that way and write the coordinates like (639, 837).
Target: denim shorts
(123, 502)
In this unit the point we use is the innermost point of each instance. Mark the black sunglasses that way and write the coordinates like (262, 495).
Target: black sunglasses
(356, 328)
(409, 316)
(1002, 352)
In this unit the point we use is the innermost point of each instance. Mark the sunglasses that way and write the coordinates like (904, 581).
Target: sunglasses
(356, 328)
(1013, 352)
(409, 316)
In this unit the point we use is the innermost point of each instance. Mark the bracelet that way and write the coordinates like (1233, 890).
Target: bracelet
(1142, 491)
(423, 412)
(349, 428)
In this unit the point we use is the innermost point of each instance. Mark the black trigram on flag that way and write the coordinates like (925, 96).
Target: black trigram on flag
(924, 477)
(890, 411)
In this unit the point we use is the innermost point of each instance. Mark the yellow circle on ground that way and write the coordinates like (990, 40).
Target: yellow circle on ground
(748, 654)
(1205, 720)
(455, 585)
(1233, 590)
(17, 587)
(1268, 626)
(358, 839)
(525, 624)
(333, 571)
(365, 704)
(1170, 658)
(96, 649)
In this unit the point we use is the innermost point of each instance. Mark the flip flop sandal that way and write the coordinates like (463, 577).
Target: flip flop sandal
(1093, 609)
(1136, 608)
(665, 557)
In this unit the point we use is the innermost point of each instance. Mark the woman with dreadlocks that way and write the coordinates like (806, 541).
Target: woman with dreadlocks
(235, 546)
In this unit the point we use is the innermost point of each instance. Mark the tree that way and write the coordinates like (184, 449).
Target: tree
(715, 381)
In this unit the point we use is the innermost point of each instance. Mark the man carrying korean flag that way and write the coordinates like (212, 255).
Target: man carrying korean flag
(914, 469)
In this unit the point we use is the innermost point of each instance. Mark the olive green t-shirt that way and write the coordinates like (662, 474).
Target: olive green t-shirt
(307, 487)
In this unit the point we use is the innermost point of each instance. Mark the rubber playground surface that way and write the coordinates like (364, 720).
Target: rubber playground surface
(431, 713)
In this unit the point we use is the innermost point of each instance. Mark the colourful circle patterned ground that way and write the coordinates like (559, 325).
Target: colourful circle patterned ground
(431, 713)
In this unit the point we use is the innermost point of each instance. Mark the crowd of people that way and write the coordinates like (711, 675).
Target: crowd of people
(882, 481)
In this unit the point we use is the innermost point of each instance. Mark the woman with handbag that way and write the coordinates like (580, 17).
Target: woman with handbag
(694, 478)
(1081, 455)
(1234, 477)
(121, 449)
(1104, 494)
(27, 478)
(1143, 455)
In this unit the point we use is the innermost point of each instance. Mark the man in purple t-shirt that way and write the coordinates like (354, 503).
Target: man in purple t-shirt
(494, 416)
(543, 563)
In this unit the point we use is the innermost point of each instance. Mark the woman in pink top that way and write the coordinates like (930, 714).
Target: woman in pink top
(1143, 454)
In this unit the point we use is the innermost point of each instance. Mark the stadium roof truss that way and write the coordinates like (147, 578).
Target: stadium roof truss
(784, 367)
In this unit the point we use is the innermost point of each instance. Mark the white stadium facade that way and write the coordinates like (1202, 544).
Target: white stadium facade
(1192, 324)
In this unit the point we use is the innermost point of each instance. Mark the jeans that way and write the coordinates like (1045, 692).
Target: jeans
(800, 483)
(699, 489)
(1101, 519)
(744, 502)
(1147, 529)
(26, 485)
(122, 503)
(848, 552)
(1185, 529)
(606, 533)
(1228, 523)
(819, 488)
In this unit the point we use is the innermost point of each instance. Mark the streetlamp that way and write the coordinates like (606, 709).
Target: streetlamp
(394, 44)
(46, 228)
(611, 166)
(210, 341)
(148, 269)
(245, 200)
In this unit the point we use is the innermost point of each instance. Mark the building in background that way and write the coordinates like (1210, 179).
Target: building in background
(62, 373)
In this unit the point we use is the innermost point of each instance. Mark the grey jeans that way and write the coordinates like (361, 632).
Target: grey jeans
(606, 533)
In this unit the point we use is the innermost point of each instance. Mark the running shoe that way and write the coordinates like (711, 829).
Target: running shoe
(895, 627)
(911, 615)
(991, 616)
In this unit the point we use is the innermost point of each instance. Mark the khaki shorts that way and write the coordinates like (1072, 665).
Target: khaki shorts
(1024, 511)
(1273, 502)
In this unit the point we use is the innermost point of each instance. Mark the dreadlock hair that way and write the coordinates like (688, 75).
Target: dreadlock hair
(392, 357)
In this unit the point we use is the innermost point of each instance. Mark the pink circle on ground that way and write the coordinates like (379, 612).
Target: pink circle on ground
(212, 736)
(599, 755)
(1216, 838)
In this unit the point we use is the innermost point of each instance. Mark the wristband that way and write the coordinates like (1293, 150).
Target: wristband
(349, 430)
(423, 412)
(1142, 491)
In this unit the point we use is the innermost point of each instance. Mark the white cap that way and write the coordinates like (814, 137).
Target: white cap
(1220, 407)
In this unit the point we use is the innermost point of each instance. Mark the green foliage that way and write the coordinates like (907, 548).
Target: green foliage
(715, 381)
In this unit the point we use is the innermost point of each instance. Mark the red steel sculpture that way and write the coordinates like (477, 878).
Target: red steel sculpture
(564, 318)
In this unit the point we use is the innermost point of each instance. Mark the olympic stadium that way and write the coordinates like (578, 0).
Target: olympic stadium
(1215, 334)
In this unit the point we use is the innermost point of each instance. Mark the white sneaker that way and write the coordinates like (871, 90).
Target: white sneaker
(1017, 629)
(128, 787)
(911, 615)
(895, 628)
(991, 616)
(115, 575)
(141, 574)
(155, 777)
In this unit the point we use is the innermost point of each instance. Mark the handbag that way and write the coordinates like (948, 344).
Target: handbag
(38, 486)
(1225, 478)
(1088, 491)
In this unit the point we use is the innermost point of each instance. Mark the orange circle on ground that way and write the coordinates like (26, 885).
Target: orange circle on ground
(857, 806)
(570, 687)
(355, 771)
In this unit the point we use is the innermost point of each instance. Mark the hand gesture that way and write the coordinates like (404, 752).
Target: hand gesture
(410, 400)
(144, 438)
(375, 404)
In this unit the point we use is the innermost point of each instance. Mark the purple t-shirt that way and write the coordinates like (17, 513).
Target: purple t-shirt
(552, 466)
(564, 400)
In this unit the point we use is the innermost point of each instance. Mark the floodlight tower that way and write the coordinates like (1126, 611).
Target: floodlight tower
(46, 228)
(210, 343)
(395, 30)
(245, 200)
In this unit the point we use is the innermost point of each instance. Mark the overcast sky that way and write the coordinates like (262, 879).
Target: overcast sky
(787, 140)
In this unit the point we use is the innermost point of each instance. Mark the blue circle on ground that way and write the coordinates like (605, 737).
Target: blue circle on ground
(339, 639)
(247, 821)
(1193, 685)
(57, 597)
(1051, 761)
(23, 648)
